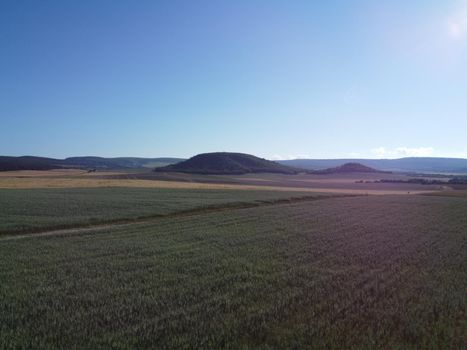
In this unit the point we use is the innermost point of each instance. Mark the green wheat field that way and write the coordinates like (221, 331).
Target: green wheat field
(212, 269)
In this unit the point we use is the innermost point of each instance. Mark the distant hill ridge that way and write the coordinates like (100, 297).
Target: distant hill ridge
(348, 168)
(428, 165)
(42, 163)
(224, 163)
(408, 165)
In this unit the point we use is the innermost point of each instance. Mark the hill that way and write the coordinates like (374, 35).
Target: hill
(42, 163)
(348, 168)
(426, 165)
(28, 163)
(408, 165)
(119, 162)
(221, 163)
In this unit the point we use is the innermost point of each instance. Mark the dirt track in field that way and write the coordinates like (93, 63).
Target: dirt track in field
(77, 229)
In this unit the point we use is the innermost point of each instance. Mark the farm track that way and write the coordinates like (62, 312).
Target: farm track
(122, 222)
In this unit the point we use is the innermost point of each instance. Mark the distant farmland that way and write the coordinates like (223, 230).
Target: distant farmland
(375, 272)
(359, 183)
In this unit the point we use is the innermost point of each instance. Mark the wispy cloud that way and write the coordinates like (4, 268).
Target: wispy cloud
(398, 152)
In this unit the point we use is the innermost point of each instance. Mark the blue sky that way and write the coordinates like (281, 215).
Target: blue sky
(278, 79)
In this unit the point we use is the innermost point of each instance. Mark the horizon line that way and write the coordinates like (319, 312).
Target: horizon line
(268, 158)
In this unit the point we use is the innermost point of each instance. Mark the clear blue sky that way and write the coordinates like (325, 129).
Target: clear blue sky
(278, 79)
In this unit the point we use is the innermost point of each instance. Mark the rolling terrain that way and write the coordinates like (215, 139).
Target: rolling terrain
(226, 163)
(412, 165)
(42, 163)
(348, 168)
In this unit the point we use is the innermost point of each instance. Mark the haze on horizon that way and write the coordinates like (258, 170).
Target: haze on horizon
(278, 79)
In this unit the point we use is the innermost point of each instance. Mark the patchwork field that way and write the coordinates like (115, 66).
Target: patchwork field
(375, 272)
(340, 183)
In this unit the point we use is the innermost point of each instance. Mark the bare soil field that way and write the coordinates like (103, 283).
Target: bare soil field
(352, 183)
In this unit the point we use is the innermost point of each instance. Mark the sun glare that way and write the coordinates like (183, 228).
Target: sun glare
(455, 30)
(457, 24)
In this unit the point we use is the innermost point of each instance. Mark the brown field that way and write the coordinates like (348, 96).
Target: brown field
(325, 182)
(449, 193)
(41, 173)
(303, 183)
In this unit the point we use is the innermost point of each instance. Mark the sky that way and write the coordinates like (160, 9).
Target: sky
(278, 79)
